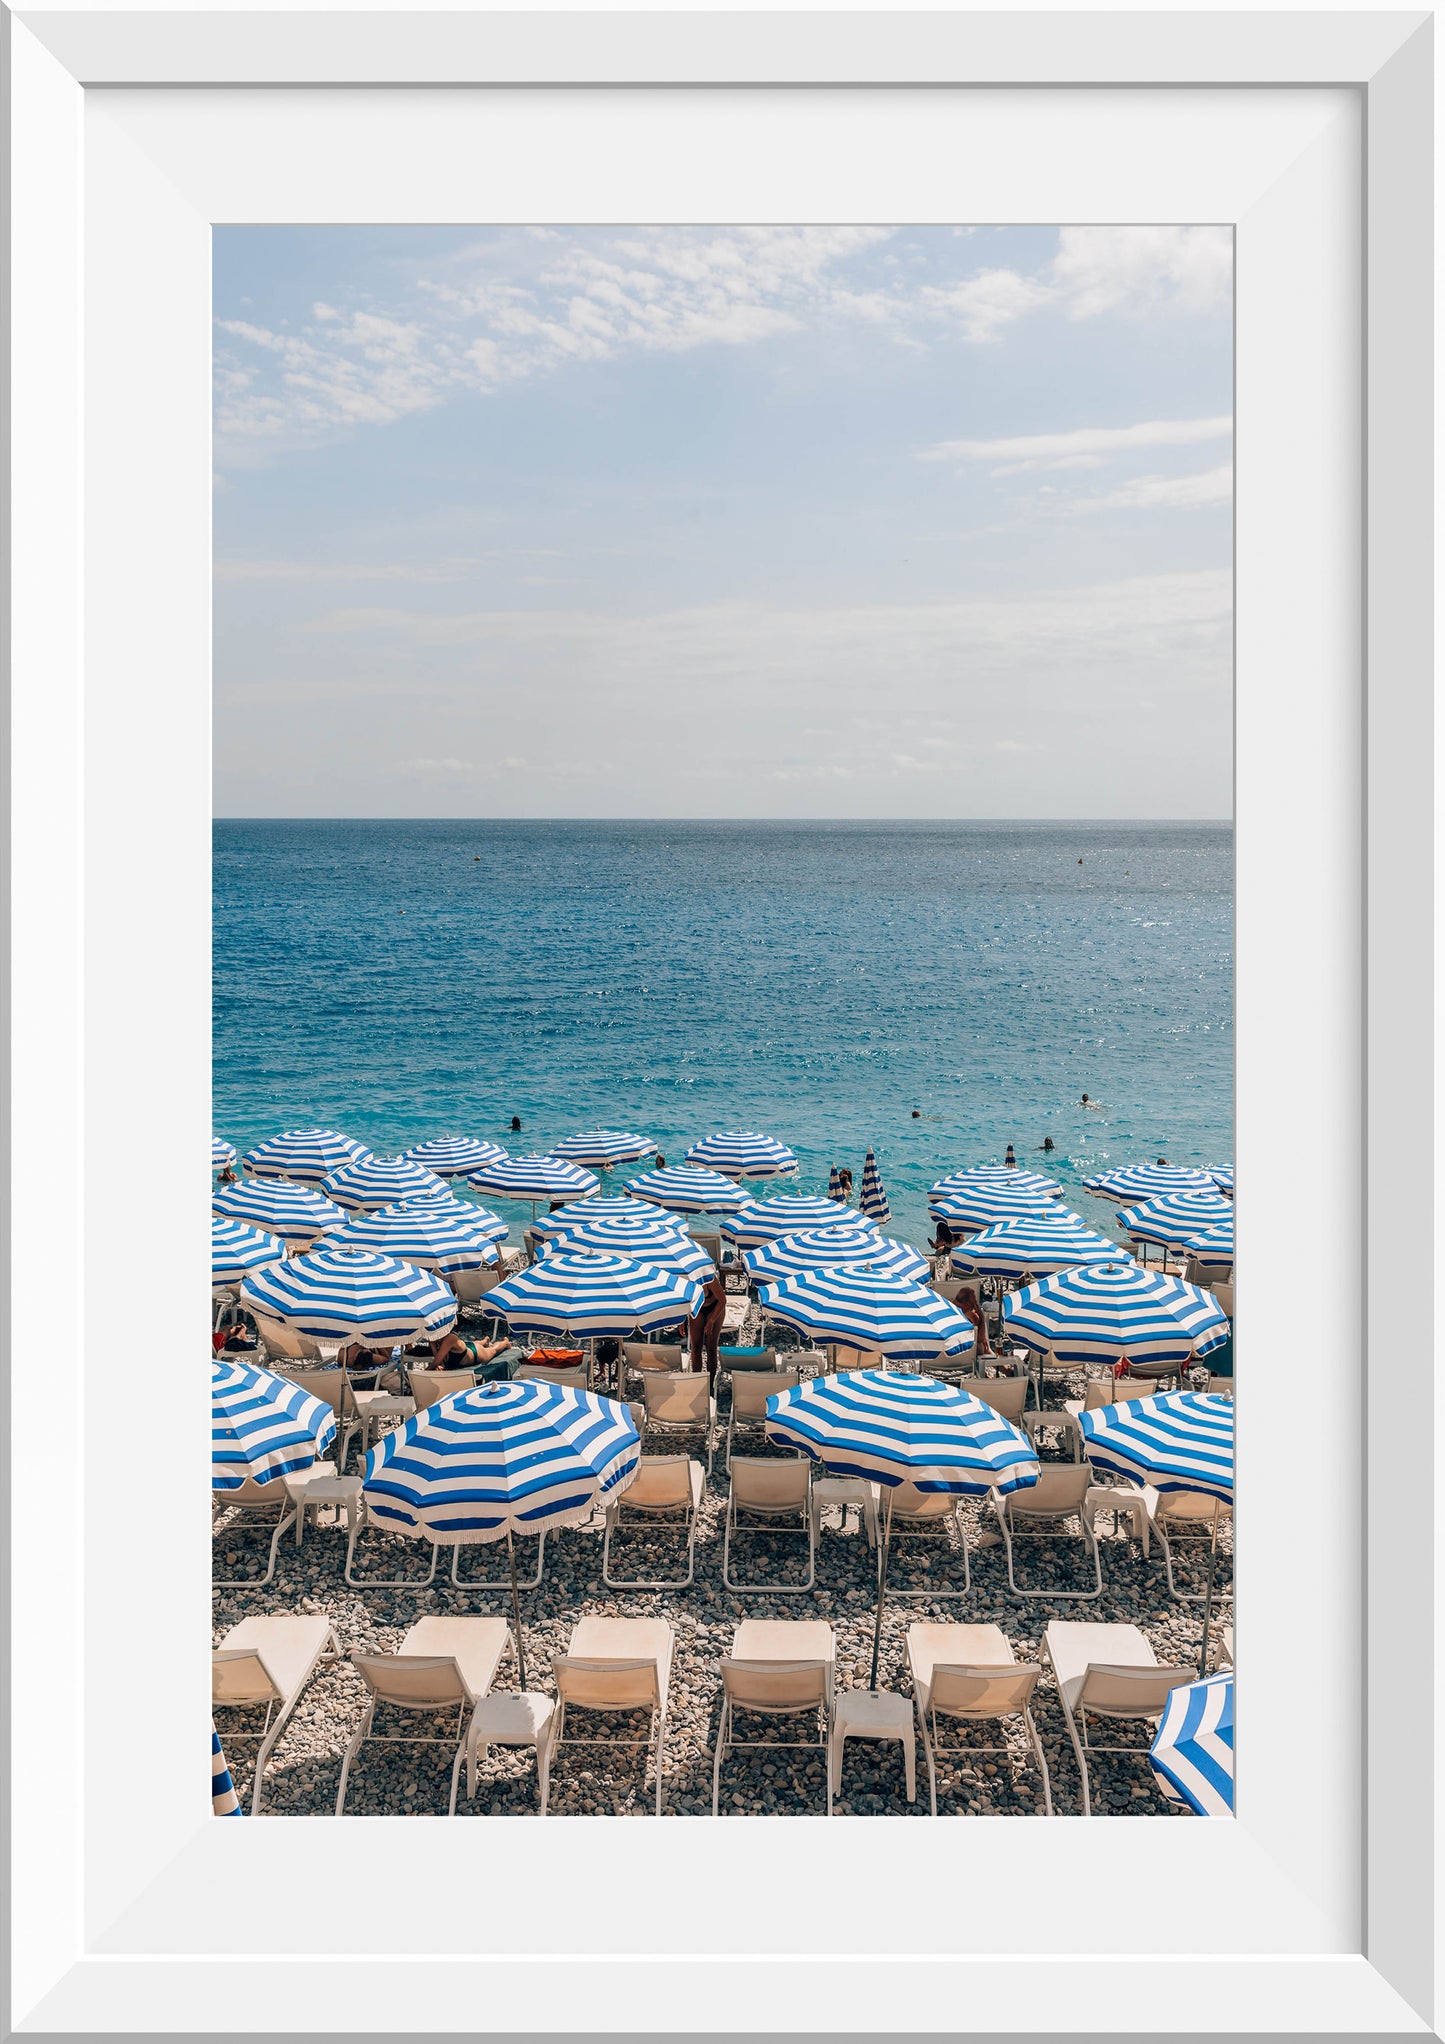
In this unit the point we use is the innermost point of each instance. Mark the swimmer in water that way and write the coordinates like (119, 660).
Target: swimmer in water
(1093, 1106)
(916, 1115)
(1046, 1144)
(517, 1120)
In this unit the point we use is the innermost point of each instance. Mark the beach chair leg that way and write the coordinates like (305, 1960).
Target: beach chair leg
(928, 1758)
(721, 1751)
(359, 1738)
(1039, 1761)
(456, 1776)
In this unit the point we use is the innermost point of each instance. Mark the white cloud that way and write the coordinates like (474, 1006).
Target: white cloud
(1129, 270)
(1083, 446)
(983, 305)
(1159, 493)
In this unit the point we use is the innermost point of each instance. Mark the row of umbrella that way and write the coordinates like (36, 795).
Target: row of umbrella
(310, 1156)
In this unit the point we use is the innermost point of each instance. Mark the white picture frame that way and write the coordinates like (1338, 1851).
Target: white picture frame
(131, 134)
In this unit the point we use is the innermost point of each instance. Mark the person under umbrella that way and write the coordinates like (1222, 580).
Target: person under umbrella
(704, 1327)
(835, 1183)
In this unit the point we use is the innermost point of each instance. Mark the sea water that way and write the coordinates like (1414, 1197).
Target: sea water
(934, 990)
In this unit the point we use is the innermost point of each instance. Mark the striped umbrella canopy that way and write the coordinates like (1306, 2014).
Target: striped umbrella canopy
(533, 1178)
(1177, 1218)
(224, 1800)
(984, 1206)
(1214, 1248)
(682, 1189)
(1223, 1176)
(827, 1248)
(584, 1213)
(223, 1155)
(872, 1199)
(743, 1153)
(297, 1213)
(447, 1203)
(1193, 1749)
(978, 1177)
(1011, 1249)
(262, 1425)
(337, 1295)
(236, 1247)
(1175, 1440)
(453, 1156)
(661, 1246)
(764, 1220)
(867, 1308)
(307, 1155)
(582, 1293)
(604, 1146)
(835, 1183)
(1148, 1181)
(892, 1428)
(374, 1182)
(423, 1232)
(1116, 1312)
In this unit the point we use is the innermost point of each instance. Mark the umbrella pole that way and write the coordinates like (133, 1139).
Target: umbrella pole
(882, 1585)
(1209, 1593)
(516, 1611)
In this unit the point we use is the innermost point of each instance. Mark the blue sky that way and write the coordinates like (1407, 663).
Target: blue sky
(790, 521)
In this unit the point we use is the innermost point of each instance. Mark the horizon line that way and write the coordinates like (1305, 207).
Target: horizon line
(1217, 822)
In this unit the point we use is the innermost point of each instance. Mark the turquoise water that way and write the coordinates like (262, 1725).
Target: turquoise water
(819, 981)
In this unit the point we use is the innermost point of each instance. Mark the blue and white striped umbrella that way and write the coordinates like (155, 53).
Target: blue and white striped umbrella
(1011, 1249)
(1177, 1218)
(1193, 1749)
(453, 1156)
(236, 1247)
(1214, 1249)
(835, 1184)
(223, 1155)
(985, 1206)
(661, 1246)
(764, 1220)
(224, 1800)
(533, 1178)
(1175, 1440)
(683, 1189)
(1112, 1312)
(894, 1427)
(340, 1295)
(423, 1232)
(306, 1155)
(297, 1213)
(872, 1199)
(979, 1177)
(866, 1308)
(1223, 1176)
(743, 1153)
(581, 1293)
(604, 1146)
(518, 1457)
(583, 1213)
(445, 1202)
(263, 1426)
(1148, 1181)
(827, 1248)
(375, 1182)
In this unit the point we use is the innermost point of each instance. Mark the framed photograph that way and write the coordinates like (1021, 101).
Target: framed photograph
(736, 702)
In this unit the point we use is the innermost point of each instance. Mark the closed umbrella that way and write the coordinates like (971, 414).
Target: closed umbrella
(453, 1156)
(872, 1200)
(1171, 1220)
(504, 1458)
(1116, 1312)
(835, 1184)
(308, 1156)
(297, 1213)
(890, 1429)
(1193, 1750)
(684, 1189)
(605, 1146)
(263, 1426)
(866, 1308)
(764, 1220)
(343, 1295)
(374, 1182)
(1140, 1182)
(1177, 1440)
(424, 1232)
(236, 1247)
(587, 1295)
(533, 1178)
(660, 1245)
(826, 1248)
(223, 1155)
(743, 1153)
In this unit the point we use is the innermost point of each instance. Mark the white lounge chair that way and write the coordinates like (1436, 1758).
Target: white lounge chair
(666, 1496)
(254, 1508)
(1044, 1511)
(614, 1664)
(680, 1402)
(268, 1659)
(751, 1391)
(769, 1495)
(968, 1672)
(442, 1664)
(427, 1386)
(935, 1518)
(800, 1688)
(1109, 1671)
